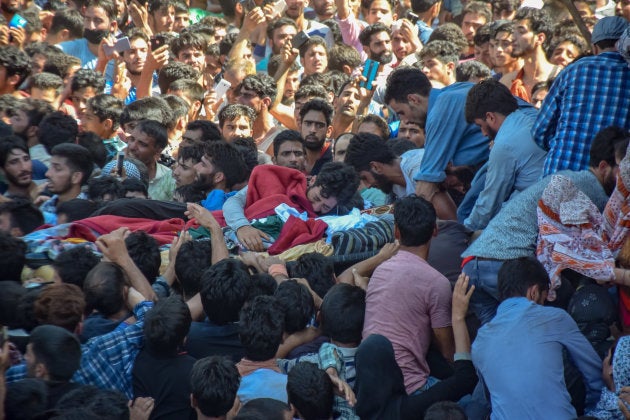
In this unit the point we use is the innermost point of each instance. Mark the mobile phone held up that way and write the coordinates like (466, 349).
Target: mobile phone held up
(221, 88)
(121, 45)
(370, 71)
(299, 39)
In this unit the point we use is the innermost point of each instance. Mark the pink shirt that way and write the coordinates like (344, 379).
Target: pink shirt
(406, 299)
(350, 28)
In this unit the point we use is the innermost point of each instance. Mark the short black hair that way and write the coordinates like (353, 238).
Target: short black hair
(263, 408)
(8, 144)
(274, 64)
(343, 312)
(263, 84)
(45, 81)
(489, 96)
(188, 40)
(406, 81)
(472, 69)
(310, 391)
(94, 143)
(263, 284)
(607, 145)
(261, 327)
(25, 399)
(517, 275)
(285, 136)
(317, 269)
(364, 148)
(193, 259)
(479, 8)
(415, 219)
(233, 111)
(78, 158)
(214, 382)
(135, 185)
(58, 349)
(56, 129)
(85, 78)
(107, 5)
(76, 209)
(16, 62)
(224, 291)
(144, 250)
(320, 105)
(175, 70)
(104, 289)
(166, 326)
(69, 19)
(106, 106)
(179, 106)
(366, 34)
(279, 23)
(101, 186)
(209, 130)
(312, 41)
(156, 130)
(444, 51)
(450, 32)
(190, 88)
(194, 153)
(92, 402)
(343, 55)
(151, 108)
(228, 160)
(421, 6)
(337, 180)
(11, 293)
(296, 303)
(74, 264)
(539, 21)
(189, 193)
(35, 109)
(445, 410)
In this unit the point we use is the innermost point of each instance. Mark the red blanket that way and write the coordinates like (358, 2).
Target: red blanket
(162, 230)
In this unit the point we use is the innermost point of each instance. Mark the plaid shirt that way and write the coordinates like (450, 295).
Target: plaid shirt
(589, 95)
(106, 360)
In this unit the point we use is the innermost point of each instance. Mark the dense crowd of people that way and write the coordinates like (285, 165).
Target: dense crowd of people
(335, 209)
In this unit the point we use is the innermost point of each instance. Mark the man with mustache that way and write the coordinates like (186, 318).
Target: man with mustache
(315, 127)
(16, 166)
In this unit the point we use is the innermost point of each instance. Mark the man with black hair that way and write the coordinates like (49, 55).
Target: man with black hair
(161, 16)
(144, 250)
(438, 60)
(474, 16)
(427, 11)
(104, 188)
(532, 33)
(187, 157)
(214, 382)
(102, 117)
(236, 120)
(377, 45)
(151, 108)
(220, 171)
(17, 167)
(378, 166)
(145, 142)
(25, 120)
(70, 168)
(515, 161)
(224, 290)
(193, 259)
(298, 306)
(56, 128)
(19, 217)
(47, 87)
(407, 300)
(315, 125)
(192, 93)
(66, 25)
(200, 131)
(258, 91)
(568, 122)
(99, 21)
(317, 269)
(12, 257)
(310, 392)
(289, 150)
(159, 371)
(85, 85)
(15, 66)
(261, 329)
(510, 355)
(53, 354)
(346, 105)
(73, 265)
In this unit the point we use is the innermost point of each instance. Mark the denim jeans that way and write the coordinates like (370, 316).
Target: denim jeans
(485, 300)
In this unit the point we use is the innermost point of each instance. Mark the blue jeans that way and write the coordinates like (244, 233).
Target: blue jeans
(485, 300)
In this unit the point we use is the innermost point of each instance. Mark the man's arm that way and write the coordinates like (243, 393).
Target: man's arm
(366, 267)
(499, 184)
(113, 247)
(207, 220)
(234, 213)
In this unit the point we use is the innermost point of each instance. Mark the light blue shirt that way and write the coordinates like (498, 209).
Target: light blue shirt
(518, 357)
(514, 164)
(410, 161)
(263, 383)
(79, 48)
(449, 138)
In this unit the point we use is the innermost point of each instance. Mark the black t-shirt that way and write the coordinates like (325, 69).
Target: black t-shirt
(206, 339)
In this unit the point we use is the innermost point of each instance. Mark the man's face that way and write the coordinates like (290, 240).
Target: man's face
(486, 130)
(290, 86)
(482, 54)
(19, 122)
(38, 61)
(205, 173)
(370, 127)
(251, 99)
(291, 154)
(238, 127)
(314, 130)
(320, 204)
(401, 46)
(470, 24)
(235, 79)
(163, 19)
(184, 172)
(348, 101)
(623, 9)
(564, 54)
(323, 8)
(315, 60)
(11, 6)
(501, 49)
(136, 56)
(524, 42)
(142, 147)
(297, 106)
(280, 36)
(46, 95)
(191, 137)
(379, 11)
(219, 34)
(213, 66)
(95, 18)
(295, 8)
(182, 20)
(18, 169)
(341, 146)
(435, 70)
(193, 57)
(415, 111)
(372, 179)
(80, 97)
(90, 122)
(59, 175)
(380, 48)
(411, 132)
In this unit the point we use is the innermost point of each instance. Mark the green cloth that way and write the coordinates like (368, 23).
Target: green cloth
(272, 225)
